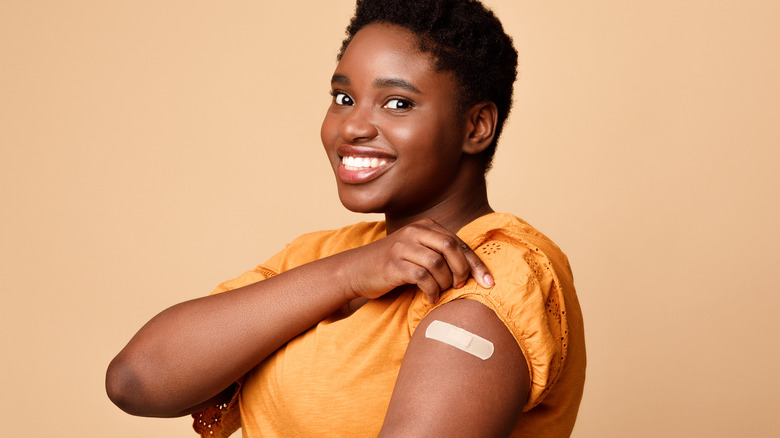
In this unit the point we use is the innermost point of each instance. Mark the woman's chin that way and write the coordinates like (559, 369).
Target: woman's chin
(361, 204)
(361, 208)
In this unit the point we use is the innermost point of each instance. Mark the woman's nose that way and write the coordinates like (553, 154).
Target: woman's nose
(358, 126)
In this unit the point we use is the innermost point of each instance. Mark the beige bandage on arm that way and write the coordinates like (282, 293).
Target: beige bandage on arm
(460, 339)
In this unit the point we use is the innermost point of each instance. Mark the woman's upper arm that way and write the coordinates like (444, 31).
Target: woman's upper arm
(444, 391)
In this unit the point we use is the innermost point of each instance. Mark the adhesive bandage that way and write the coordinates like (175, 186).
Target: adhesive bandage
(460, 339)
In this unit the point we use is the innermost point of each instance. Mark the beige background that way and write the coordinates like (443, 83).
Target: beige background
(149, 150)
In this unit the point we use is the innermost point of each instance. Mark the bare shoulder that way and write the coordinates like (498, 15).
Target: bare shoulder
(448, 387)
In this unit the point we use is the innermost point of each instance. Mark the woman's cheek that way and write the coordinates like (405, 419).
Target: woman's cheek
(403, 135)
(328, 130)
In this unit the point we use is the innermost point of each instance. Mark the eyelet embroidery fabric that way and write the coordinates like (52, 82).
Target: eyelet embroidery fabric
(209, 420)
(490, 248)
(217, 421)
(541, 266)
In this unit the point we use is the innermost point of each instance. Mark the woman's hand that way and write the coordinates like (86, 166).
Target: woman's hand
(422, 253)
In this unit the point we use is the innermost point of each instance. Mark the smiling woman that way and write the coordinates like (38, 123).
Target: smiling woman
(391, 104)
(330, 337)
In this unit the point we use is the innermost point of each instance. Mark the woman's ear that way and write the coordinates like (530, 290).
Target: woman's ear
(480, 127)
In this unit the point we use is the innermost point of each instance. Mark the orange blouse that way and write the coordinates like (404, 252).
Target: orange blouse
(336, 379)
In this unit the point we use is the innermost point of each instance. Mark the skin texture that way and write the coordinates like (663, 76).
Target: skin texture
(388, 102)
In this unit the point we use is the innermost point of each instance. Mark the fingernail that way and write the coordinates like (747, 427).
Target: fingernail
(463, 283)
(488, 279)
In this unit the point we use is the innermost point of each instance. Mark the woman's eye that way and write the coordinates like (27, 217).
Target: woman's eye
(398, 104)
(342, 99)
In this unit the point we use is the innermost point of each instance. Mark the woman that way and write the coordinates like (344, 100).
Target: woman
(446, 319)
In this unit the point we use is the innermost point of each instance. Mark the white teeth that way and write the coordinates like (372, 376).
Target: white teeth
(356, 163)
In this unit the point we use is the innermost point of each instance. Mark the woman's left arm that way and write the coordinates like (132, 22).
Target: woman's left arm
(444, 391)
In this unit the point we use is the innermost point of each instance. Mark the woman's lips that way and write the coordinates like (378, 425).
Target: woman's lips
(360, 164)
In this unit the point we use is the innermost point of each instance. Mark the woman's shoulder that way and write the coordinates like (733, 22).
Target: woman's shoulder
(508, 227)
(532, 293)
(318, 244)
(307, 248)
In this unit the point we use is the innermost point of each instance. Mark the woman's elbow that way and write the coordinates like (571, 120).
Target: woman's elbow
(125, 387)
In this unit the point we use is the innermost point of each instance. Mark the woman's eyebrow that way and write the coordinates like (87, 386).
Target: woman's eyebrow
(339, 79)
(379, 83)
(396, 83)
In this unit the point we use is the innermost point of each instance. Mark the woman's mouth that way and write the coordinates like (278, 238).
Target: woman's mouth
(358, 167)
(360, 163)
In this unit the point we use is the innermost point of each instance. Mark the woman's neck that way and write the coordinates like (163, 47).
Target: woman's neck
(453, 212)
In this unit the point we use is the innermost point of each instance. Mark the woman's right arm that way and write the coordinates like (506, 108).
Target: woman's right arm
(194, 350)
(190, 353)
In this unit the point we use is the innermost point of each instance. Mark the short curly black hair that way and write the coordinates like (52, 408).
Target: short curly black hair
(464, 37)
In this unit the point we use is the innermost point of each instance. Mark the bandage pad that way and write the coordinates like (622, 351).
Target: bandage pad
(460, 339)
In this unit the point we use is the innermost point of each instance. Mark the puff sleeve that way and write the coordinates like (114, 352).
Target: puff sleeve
(527, 297)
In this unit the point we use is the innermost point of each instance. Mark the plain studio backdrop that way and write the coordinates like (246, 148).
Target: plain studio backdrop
(150, 150)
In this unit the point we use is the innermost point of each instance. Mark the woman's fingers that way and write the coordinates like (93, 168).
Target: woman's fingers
(457, 261)
(462, 259)
(424, 254)
(479, 271)
(425, 281)
(448, 247)
(426, 262)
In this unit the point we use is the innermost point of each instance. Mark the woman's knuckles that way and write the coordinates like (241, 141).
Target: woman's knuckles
(437, 262)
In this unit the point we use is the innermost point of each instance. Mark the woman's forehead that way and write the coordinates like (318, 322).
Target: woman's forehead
(388, 54)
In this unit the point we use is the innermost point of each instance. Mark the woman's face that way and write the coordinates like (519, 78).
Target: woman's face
(392, 132)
